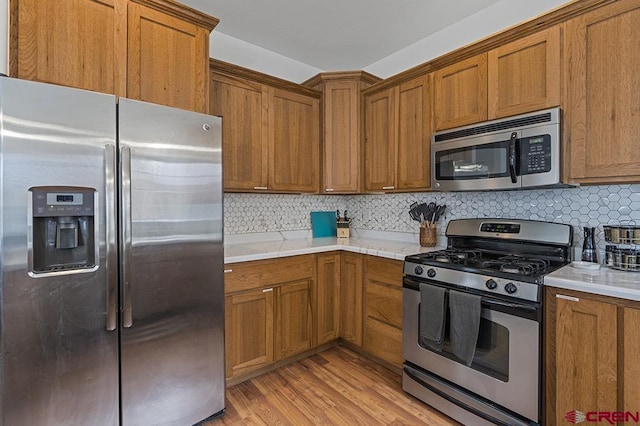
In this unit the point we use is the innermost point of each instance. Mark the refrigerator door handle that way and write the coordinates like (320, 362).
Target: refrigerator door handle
(111, 233)
(125, 235)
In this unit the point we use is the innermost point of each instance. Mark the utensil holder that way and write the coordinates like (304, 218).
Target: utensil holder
(428, 236)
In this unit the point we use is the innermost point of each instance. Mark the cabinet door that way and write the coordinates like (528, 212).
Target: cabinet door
(72, 43)
(327, 297)
(602, 106)
(414, 145)
(248, 331)
(294, 319)
(585, 344)
(341, 148)
(168, 60)
(351, 276)
(380, 140)
(631, 360)
(461, 93)
(383, 309)
(244, 107)
(294, 143)
(524, 75)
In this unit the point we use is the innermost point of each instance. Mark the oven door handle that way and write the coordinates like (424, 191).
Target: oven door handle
(509, 304)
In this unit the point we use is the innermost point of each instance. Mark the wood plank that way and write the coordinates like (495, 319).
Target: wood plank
(337, 386)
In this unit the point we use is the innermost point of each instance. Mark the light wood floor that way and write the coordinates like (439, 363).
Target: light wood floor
(335, 387)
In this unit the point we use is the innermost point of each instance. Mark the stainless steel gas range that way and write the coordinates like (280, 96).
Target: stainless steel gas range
(472, 319)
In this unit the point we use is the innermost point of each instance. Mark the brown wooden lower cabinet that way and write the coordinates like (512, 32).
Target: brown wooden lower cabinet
(327, 297)
(268, 312)
(592, 354)
(382, 335)
(351, 279)
(248, 331)
(294, 319)
(279, 308)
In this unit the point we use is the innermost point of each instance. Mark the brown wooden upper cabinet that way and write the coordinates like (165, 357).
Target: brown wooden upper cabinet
(524, 75)
(151, 50)
(271, 131)
(460, 93)
(342, 153)
(397, 137)
(602, 103)
(518, 77)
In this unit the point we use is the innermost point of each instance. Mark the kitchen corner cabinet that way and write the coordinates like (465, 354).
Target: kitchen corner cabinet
(268, 312)
(592, 353)
(327, 297)
(602, 104)
(271, 132)
(351, 282)
(397, 130)
(517, 77)
(342, 153)
(382, 334)
(151, 50)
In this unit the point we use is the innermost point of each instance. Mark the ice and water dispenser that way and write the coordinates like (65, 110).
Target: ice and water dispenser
(63, 229)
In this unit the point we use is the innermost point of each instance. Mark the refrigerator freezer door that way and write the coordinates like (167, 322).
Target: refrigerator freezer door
(172, 341)
(58, 361)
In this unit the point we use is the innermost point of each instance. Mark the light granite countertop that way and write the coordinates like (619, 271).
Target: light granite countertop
(604, 281)
(392, 245)
(397, 245)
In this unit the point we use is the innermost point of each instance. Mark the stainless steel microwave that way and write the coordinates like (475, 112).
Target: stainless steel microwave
(511, 153)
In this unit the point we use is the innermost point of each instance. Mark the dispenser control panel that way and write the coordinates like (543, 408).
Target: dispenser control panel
(51, 203)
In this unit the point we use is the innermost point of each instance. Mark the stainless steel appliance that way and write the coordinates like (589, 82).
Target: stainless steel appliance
(500, 264)
(510, 153)
(111, 267)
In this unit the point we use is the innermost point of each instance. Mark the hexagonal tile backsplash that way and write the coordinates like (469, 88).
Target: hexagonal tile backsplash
(581, 206)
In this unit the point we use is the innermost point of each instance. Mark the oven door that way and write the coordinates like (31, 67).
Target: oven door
(486, 162)
(506, 366)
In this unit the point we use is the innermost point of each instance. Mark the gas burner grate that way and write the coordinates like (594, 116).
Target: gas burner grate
(517, 265)
(461, 257)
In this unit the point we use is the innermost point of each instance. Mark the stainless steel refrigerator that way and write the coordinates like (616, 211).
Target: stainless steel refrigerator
(111, 260)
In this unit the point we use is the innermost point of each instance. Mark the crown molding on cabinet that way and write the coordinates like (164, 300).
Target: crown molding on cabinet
(226, 68)
(341, 75)
(181, 11)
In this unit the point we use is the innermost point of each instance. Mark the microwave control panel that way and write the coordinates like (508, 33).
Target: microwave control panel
(535, 154)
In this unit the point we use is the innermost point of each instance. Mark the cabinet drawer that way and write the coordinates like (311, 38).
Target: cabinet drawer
(263, 273)
(384, 304)
(386, 271)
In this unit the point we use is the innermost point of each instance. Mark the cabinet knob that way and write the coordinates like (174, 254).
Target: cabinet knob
(388, 187)
(260, 187)
(267, 290)
(226, 271)
(328, 189)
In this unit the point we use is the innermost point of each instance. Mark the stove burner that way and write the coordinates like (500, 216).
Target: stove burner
(456, 256)
(517, 265)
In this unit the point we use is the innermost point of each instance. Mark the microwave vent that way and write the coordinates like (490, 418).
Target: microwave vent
(494, 127)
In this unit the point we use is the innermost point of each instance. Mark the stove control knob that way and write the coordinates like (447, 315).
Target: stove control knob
(431, 273)
(510, 288)
(491, 284)
(418, 270)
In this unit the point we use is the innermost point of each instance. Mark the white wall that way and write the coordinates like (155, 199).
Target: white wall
(238, 52)
(4, 36)
(491, 20)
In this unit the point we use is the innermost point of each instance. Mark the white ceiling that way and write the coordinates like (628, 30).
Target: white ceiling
(335, 34)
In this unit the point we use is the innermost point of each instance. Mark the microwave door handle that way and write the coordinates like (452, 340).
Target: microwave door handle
(512, 157)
